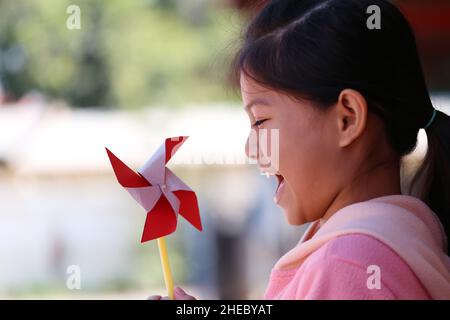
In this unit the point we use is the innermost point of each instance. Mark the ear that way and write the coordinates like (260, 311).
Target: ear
(351, 111)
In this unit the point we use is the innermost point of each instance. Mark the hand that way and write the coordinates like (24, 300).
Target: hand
(178, 294)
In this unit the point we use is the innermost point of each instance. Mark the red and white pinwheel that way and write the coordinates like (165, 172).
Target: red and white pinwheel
(159, 191)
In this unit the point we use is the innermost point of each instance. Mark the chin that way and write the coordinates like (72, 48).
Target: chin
(294, 217)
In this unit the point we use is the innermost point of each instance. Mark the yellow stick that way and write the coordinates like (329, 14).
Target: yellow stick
(165, 266)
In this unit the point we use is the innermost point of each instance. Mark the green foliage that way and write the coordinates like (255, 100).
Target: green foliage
(126, 54)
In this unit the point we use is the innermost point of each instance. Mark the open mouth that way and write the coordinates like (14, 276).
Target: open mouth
(280, 185)
(280, 179)
(280, 188)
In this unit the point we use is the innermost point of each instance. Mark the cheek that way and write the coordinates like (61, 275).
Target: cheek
(300, 150)
(305, 161)
(303, 166)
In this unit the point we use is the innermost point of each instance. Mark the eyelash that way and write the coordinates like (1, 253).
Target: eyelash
(259, 122)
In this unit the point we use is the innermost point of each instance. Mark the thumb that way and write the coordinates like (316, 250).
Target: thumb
(180, 294)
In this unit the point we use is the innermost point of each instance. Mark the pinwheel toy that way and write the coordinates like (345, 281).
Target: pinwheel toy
(163, 195)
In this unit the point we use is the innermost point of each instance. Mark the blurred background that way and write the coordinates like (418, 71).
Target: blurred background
(126, 75)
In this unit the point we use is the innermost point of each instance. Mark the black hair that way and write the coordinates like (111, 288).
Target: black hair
(314, 49)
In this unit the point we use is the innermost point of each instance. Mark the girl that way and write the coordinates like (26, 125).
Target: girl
(348, 101)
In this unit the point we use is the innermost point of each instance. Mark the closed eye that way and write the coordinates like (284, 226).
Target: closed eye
(259, 122)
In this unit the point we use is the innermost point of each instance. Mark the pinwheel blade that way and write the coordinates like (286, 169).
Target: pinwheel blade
(189, 207)
(126, 176)
(160, 221)
(172, 146)
(154, 169)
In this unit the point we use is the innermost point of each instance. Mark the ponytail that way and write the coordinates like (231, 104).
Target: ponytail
(432, 180)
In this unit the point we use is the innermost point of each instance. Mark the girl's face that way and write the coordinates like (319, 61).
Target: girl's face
(307, 180)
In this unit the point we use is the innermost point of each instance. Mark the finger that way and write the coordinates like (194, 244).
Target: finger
(180, 294)
(154, 297)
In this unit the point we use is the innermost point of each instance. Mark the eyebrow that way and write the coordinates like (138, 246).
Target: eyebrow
(256, 102)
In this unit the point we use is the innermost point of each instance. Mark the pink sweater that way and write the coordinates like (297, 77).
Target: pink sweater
(336, 267)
